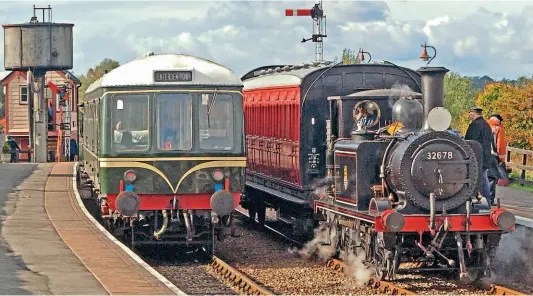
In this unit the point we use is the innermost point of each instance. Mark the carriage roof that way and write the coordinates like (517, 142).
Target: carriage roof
(294, 75)
(140, 72)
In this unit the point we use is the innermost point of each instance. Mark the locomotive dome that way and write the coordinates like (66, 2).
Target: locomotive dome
(140, 72)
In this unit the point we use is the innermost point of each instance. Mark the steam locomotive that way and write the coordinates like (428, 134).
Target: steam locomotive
(382, 170)
(408, 192)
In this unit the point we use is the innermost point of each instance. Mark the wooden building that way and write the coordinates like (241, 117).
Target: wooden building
(17, 96)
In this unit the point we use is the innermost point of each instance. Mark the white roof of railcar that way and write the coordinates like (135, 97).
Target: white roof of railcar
(140, 72)
(283, 76)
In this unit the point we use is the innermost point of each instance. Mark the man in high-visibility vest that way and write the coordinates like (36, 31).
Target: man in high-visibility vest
(498, 151)
(495, 122)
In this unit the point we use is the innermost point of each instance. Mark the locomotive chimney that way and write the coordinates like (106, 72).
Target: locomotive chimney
(432, 89)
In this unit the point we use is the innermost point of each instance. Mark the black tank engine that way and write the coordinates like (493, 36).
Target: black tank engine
(407, 192)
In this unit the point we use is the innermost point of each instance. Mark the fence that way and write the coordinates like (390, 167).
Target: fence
(523, 168)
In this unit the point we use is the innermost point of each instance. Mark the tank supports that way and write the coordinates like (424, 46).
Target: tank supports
(40, 117)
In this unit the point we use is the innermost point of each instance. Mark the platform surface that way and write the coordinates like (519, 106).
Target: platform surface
(33, 257)
(116, 270)
(520, 202)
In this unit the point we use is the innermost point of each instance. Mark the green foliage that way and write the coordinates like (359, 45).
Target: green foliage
(350, 57)
(459, 97)
(95, 74)
(6, 149)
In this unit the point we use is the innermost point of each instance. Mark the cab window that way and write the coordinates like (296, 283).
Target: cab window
(130, 123)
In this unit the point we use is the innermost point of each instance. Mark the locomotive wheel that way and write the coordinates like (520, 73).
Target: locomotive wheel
(381, 264)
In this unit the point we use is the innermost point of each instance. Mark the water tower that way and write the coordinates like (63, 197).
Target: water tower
(38, 47)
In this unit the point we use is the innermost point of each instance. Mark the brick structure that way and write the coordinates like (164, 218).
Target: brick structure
(17, 96)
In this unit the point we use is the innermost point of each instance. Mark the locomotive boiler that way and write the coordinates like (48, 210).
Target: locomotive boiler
(407, 192)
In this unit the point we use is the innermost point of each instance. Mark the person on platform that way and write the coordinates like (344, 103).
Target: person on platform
(480, 131)
(73, 149)
(15, 149)
(497, 175)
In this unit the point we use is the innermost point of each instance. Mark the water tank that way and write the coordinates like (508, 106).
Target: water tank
(47, 46)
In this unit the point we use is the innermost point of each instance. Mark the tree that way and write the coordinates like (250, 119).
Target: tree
(515, 105)
(459, 97)
(350, 57)
(95, 74)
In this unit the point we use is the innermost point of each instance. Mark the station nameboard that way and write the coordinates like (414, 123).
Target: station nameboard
(172, 76)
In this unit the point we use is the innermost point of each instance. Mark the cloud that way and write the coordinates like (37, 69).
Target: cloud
(470, 39)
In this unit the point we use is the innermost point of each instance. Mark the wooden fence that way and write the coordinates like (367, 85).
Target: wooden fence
(523, 168)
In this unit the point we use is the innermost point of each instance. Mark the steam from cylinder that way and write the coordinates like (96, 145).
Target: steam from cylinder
(432, 89)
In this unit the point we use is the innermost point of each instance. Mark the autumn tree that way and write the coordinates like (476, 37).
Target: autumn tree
(459, 97)
(515, 105)
(95, 74)
(350, 57)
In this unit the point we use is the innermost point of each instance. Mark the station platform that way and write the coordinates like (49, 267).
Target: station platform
(520, 202)
(49, 244)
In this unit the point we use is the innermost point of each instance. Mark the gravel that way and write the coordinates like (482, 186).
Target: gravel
(276, 265)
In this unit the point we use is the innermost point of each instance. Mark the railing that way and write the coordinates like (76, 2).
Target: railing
(522, 167)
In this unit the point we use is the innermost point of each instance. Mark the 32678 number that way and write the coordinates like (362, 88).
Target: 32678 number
(439, 155)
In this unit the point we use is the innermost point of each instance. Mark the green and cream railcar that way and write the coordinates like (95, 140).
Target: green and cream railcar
(162, 139)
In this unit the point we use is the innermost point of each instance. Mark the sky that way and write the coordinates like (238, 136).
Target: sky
(473, 38)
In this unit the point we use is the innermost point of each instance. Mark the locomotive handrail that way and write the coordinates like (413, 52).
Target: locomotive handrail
(522, 167)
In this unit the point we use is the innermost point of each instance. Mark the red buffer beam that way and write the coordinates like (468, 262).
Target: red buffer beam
(299, 12)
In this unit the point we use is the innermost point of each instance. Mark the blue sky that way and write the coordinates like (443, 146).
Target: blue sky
(492, 38)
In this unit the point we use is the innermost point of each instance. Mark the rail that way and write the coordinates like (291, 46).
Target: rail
(381, 286)
(522, 167)
(389, 288)
(239, 280)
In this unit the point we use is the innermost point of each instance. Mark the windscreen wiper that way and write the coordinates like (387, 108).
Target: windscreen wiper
(210, 107)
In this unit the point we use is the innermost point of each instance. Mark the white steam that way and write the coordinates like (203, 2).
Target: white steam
(324, 246)
(512, 258)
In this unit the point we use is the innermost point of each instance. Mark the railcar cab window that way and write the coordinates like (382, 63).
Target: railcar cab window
(174, 121)
(366, 114)
(216, 121)
(130, 123)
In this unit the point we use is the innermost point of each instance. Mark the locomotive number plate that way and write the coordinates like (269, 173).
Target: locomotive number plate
(441, 155)
(172, 76)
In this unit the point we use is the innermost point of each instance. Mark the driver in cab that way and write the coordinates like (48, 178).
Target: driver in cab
(363, 118)
(168, 133)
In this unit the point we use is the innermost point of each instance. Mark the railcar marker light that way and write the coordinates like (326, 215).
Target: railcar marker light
(218, 175)
(218, 187)
(129, 187)
(130, 176)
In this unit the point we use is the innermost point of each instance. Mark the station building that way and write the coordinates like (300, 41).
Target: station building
(15, 120)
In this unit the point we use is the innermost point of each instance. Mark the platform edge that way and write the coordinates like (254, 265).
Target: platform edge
(134, 256)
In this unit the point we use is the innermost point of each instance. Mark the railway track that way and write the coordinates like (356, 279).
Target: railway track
(407, 286)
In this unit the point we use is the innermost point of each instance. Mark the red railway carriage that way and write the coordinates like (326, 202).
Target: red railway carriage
(285, 112)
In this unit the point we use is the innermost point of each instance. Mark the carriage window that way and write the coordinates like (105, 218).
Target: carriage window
(174, 121)
(216, 122)
(130, 117)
